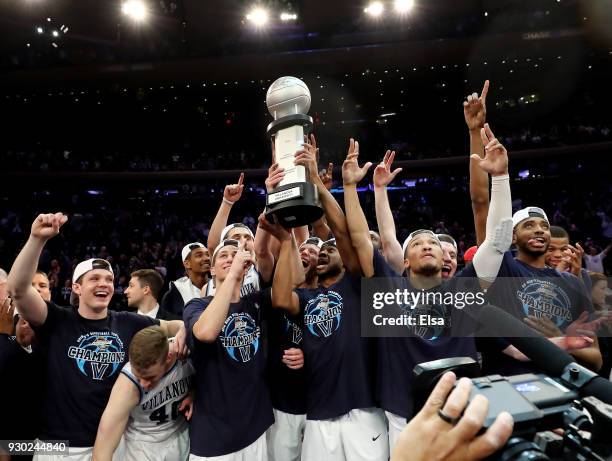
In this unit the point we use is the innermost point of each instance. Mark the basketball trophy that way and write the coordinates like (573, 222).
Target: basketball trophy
(295, 201)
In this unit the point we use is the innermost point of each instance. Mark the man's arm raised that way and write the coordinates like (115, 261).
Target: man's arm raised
(475, 113)
(352, 173)
(123, 398)
(208, 326)
(285, 275)
(29, 303)
(231, 195)
(488, 258)
(333, 213)
(384, 217)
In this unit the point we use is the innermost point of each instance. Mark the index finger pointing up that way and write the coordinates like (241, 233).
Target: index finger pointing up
(485, 90)
(241, 179)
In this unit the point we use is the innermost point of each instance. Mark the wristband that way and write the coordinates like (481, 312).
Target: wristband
(500, 178)
(229, 202)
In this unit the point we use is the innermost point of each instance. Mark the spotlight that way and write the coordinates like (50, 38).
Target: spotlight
(288, 16)
(403, 6)
(135, 9)
(258, 16)
(55, 33)
(39, 30)
(375, 9)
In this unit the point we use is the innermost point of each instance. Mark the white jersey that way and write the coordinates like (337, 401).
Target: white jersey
(156, 417)
(250, 284)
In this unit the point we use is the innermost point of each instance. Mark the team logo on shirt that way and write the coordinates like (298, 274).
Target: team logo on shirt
(543, 298)
(292, 331)
(425, 320)
(98, 355)
(240, 337)
(323, 314)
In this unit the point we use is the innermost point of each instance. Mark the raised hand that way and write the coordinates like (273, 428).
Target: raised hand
(352, 173)
(495, 161)
(275, 175)
(575, 259)
(382, 173)
(326, 176)
(242, 261)
(46, 226)
(475, 109)
(274, 229)
(233, 192)
(307, 157)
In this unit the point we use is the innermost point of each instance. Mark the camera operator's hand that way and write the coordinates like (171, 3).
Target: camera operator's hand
(429, 437)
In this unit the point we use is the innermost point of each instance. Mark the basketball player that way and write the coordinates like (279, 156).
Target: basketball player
(147, 402)
(342, 421)
(85, 347)
(220, 230)
(529, 290)
(425, 258)
(232, 408)
(196, 261)
(286, 374)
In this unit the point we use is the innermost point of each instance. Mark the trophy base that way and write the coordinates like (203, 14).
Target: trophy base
(294, 205)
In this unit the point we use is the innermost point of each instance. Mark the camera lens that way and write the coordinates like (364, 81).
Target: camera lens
(518, 449)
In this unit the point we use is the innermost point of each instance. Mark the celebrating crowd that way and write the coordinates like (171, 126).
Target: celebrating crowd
(255, 351)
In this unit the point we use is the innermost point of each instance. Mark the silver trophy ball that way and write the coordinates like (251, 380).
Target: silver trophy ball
(288, 96)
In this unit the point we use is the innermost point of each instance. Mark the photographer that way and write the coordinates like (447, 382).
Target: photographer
(439, 431)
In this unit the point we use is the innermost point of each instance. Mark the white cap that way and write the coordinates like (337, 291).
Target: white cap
(190, 246)
(223, 244)
(529, 212)
(415, 234)
(316, 241)
(226, 230)
(85, 266)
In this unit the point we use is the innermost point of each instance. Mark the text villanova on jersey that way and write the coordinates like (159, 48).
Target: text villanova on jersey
(98, 355)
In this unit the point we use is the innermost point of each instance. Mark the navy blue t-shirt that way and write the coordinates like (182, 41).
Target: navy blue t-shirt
(84, 358)
(397, 357)
(340, 364)
(523, 290)
(287, 386)
(232, 406)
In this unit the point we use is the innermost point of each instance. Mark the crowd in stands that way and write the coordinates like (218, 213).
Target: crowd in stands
(191, 159)
(150, 230)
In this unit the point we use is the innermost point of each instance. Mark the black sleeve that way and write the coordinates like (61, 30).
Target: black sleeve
(9, 349)
(191, 314)
(55, 315)
(264, 299)
(173, 301)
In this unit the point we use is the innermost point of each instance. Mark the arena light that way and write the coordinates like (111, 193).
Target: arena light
(403, 6)
(258, 16)
(288, 17)
(39, 30)
(135, 9)
(375, 9)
